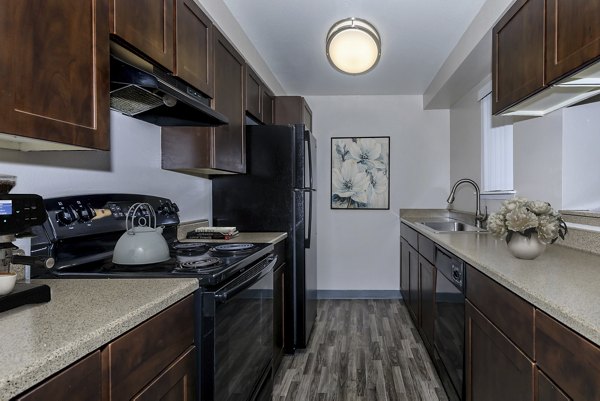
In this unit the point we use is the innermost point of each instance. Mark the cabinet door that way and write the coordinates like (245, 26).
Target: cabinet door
(176, 383)
(569, 360)
(194, 50)
(572, 36)
(147, 25)
(414, 295)
(518, 54)
(54, 69)
(278, 315)
(229, 140)
(253, 94)
(404, 270)
(81, 382)
(139, 356)
(293, 110)
(427, 289)
(496, 370)
(546, 390)
(268, 103)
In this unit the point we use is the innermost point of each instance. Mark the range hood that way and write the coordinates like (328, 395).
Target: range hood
(567, 92)
(141, 90)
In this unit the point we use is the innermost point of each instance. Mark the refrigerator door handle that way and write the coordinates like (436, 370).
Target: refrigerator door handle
(310, 171)
(310, 208)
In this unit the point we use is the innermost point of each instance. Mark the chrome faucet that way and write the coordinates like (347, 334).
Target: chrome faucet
(479, 216)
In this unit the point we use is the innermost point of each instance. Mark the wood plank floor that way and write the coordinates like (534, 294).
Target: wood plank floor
(360, 350)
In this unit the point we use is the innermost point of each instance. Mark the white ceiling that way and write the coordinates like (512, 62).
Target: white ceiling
(417, 36)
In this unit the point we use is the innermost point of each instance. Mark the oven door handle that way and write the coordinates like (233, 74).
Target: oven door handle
(236, 286)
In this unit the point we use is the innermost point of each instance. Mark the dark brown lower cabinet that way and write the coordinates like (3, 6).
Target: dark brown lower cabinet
(404, 270)
(137, 357)
(413, 300)
(278, 316)
(496, 369)
(546, 390)
(82, 381)
(427, 289)
(566, 358)
(176, 383)
(154, 361)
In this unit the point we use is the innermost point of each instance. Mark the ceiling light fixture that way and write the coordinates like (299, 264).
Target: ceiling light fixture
(353, 46)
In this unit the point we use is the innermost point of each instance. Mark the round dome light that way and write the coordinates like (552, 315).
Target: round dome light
(353, 46)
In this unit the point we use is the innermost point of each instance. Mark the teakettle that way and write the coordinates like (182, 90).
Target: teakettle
(141, 244)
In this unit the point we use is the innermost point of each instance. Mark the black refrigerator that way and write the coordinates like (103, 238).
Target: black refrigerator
(278, 193)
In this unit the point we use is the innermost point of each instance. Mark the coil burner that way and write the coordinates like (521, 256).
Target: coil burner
(232, 249)
(189, 248)
(198, 264)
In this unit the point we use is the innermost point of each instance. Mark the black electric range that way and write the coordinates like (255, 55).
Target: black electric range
(233, 306)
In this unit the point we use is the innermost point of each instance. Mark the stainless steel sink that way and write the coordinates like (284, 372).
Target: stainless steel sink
(450, 226)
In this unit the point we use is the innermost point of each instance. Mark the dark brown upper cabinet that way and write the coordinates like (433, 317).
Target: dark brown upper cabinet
(293, 110)
(572, 36)
(518, 54)
(259, 98)
(194, 46)
(54, 69)
(147, 25)
(268, 106)
(173, 33)
(539, 42)
(209, 151)
(253, 94)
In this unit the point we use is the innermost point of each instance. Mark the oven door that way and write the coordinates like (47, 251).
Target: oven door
(238, 335)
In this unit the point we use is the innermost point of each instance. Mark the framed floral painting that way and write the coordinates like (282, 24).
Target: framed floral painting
(360, 173)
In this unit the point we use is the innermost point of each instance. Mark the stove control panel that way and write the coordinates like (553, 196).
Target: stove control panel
(75, 216)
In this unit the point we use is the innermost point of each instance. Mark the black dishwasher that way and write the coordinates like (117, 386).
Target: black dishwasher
(449, 328)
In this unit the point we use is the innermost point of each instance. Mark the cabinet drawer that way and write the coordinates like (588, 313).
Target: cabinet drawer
(177, 382)
(140, 355)
(81, 381)
(506, 310)
(427, 248)
(570, 360)
(410, 235)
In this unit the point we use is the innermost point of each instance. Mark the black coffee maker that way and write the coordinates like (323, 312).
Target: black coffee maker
(18, 214)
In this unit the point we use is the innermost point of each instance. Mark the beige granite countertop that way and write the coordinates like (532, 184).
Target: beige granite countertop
(563, 282)
(255, 237)
(83, 315)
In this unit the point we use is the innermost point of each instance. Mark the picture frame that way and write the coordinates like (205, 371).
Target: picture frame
(360, 173)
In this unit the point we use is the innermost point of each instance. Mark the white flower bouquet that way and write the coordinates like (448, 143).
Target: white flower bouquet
(519, 215)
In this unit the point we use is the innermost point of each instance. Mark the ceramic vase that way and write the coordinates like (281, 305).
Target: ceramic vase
(526, 248)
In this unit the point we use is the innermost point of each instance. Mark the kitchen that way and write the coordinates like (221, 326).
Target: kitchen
(345, 268)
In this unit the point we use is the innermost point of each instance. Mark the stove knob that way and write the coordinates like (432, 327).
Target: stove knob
(67, 215)
(86, 213)
(165, 208)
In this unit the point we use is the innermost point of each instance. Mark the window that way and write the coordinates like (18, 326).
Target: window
(497, 149)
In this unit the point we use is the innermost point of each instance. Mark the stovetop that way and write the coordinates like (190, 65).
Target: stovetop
(209, 263)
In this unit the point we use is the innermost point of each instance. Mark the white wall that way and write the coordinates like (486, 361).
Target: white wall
(133, 165)
(538, 158)
(465, 148)
(581, 164)
(359, 249)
